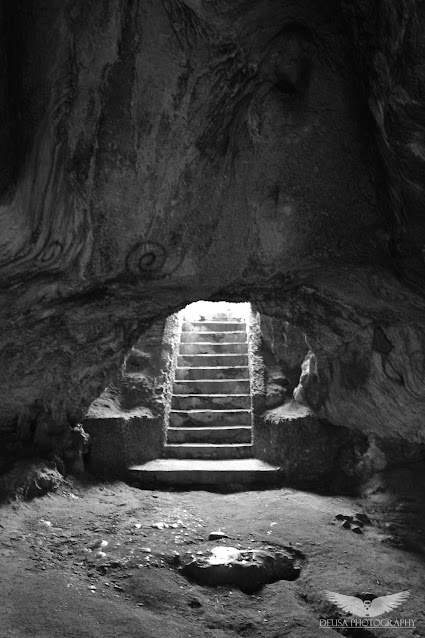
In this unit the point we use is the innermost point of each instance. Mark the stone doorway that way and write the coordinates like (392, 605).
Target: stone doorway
(211, 406)
(183, 407)
(209, 434)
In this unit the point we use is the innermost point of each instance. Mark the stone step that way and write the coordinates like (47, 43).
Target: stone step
(210, 401)
(229, 337)
(232, 434)
(222, 317)
(213, 418)
(212, 386)
(213, 348)
(211, 360)
(213, 326)
(208, 451)
(222, 372)
(200, 472)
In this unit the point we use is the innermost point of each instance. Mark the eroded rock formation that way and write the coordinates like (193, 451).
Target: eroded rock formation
(155, 153)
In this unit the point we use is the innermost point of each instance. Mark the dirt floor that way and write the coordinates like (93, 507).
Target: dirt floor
(54, 583)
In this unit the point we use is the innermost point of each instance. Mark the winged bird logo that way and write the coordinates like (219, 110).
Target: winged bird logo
(368, 606)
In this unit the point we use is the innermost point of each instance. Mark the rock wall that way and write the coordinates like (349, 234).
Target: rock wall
(283, 351)
(153, 154)
(127, 422)
(375, 383)
(312, 453)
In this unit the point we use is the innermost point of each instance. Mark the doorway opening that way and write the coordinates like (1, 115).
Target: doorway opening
(209, 400)
(211, 414)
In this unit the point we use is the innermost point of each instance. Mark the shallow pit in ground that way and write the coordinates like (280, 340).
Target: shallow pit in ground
(247, 569)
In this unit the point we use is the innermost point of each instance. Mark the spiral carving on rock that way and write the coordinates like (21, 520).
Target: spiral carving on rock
(146, 258)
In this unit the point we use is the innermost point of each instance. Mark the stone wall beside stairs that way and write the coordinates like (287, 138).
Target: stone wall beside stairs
(310, 452)
(257, 371)
(126, 423)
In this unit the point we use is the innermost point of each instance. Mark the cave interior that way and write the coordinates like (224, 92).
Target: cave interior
(161, 163)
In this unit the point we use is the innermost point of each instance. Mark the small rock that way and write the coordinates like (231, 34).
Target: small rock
(346, 525)
(216, 536)
(357, 530)
(159, 525)
(99, 543)
(145, 550)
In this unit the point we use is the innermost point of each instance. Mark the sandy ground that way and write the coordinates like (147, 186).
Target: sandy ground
(53, 583)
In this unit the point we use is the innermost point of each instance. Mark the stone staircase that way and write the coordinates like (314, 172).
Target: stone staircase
(209, 435)
(211, 409)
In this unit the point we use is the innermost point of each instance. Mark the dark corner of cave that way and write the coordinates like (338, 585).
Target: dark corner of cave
(212, 311)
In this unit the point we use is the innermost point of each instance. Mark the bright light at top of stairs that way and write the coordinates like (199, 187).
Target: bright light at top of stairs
(217, 309)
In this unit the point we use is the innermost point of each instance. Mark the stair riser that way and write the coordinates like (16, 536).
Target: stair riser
(210, 402)
(213, 348)
(212, 419)
(219, 337)
(209, 435)
(211, 373)
(201, 361)
(204, 452)
(198, 478)
(214, 326)
(212, 387)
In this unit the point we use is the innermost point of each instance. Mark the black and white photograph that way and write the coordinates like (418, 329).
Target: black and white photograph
(212, 318)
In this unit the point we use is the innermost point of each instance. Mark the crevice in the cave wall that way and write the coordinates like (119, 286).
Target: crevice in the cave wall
(126, 423)
(284, 350)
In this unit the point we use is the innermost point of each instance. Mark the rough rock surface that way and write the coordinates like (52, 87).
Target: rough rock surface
(285, 347)
(312, 452)
(157, 153)
(126, 423)
(381, 368)
(29, 479)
